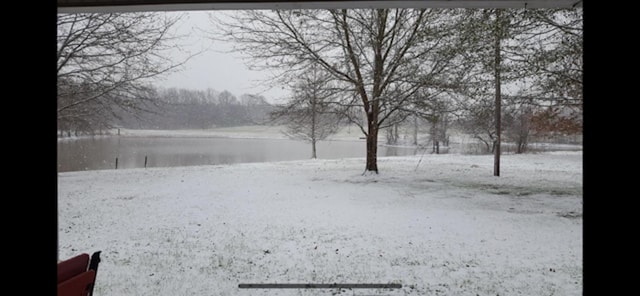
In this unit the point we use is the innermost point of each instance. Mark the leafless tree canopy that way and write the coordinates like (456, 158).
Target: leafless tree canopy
(381, 57)
(557, 58)
(395, 63)
(105, 61)
(310, 115)
(523, 58)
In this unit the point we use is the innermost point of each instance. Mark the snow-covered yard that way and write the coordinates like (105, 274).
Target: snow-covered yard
(444, 227)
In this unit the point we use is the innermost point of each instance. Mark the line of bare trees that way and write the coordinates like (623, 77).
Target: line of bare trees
(179, 108)
(393, 64)
(375, 68)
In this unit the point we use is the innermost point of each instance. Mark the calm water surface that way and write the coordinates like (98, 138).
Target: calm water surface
(100, 153)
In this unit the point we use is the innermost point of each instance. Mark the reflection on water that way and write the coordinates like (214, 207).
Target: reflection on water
(101, 153)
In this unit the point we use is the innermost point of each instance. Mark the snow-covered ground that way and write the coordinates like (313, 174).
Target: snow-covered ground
(250, 132)
(437, 224)
(348, 133)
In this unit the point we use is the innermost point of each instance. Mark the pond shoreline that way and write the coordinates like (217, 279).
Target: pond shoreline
(163, 148)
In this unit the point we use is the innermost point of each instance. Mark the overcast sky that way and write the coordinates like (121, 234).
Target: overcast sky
(213, 68)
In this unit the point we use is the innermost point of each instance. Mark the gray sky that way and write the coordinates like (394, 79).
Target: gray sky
(213, 68)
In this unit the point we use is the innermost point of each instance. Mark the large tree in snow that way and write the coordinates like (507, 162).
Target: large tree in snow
(381, 57)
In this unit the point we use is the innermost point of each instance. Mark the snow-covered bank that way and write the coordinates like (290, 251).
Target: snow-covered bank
(443, 227)
(349, 133)
(246, 132)
(243, 132)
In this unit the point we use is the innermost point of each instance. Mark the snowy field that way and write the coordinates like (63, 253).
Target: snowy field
(245, 132)
(348, 133)
(440, 225)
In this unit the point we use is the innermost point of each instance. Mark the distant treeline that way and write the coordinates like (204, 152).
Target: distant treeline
(177, 108)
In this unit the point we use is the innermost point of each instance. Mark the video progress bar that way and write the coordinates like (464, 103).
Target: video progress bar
(320, 286)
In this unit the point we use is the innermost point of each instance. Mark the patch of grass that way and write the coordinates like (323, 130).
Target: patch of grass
(570, 215)
(521, 190)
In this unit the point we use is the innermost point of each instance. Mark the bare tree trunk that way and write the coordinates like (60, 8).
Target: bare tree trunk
(415, 130)
(434, 135)
(372, 137)
(519, 147)
(313, 124)
(392, 135)
(372, 147)
(443, 131)
(522, 144)
(496, 68)
(396, 134)
(313, 149)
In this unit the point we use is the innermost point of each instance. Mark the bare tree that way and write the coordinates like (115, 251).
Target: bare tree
(518, 125)
(436, 110)
(381, 57)
(535, 55)
(554, 56)
(309, 115)
(479, 122)
(393, 134)
(496, 47)
(105, 62)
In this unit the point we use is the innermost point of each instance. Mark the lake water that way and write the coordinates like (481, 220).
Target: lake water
(100, 153)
